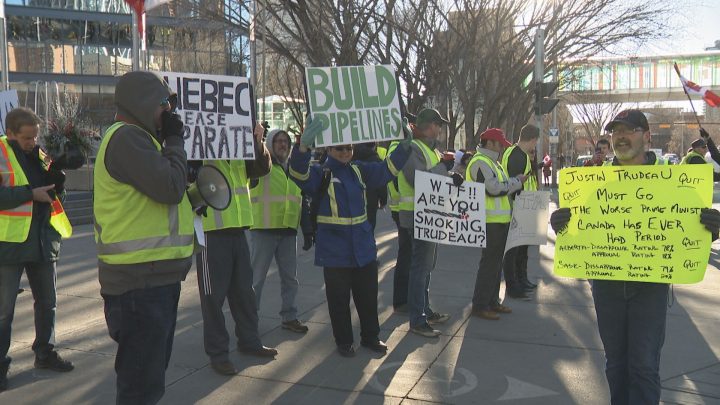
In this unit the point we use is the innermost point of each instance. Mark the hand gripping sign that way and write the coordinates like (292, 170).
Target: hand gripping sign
(635, 223)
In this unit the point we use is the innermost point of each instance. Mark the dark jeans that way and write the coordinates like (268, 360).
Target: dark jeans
(41, 277)
(424, 258)
(631, 320)
(487, 283)
(401, 277)
(515, 266)
(142, 322)
(362, 282)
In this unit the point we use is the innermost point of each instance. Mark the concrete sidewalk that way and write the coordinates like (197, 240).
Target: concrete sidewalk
(546, 352)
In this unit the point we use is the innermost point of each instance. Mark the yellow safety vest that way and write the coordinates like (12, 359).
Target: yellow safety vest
(130, 227)
(690, 155)
(276, 201)
(393, 193)
(239, 213)
(334, 218)
(497, 208)
(531, 182)
(407, 190)
(15, 222)
(382, 152)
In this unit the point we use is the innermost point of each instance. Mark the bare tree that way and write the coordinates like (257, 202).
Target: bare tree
(593, 116)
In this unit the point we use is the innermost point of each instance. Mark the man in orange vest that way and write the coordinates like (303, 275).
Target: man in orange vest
(32, 225)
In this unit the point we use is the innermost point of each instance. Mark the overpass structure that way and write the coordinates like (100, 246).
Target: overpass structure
(637, 79)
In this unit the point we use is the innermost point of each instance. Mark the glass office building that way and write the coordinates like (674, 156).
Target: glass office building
(81, 47)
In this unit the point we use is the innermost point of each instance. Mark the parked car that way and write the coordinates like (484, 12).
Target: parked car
(672, 158)
(582, 159)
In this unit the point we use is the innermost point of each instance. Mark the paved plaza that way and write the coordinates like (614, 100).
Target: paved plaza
(546, 352)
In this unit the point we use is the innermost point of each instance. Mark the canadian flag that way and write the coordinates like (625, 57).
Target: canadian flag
(141, 6)
(711, 98)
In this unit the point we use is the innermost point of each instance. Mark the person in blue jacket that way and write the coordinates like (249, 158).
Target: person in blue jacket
(345, 243)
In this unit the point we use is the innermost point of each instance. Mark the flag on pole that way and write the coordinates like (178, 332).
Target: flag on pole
(710, 97)
(140, 7)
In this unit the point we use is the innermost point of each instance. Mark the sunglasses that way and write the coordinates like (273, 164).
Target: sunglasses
(348, 148)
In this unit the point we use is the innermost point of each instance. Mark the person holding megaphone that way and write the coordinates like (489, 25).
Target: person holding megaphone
(345, 244)
(224, 267)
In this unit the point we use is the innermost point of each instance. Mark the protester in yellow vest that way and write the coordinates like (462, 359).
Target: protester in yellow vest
(696, 155)
(224, 269)
(423, 157)
(484, 168)
(515, 161)
(143, 231)
(32, 225)
(276, 207)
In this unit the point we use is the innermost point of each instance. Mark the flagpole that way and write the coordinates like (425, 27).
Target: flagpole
(677, 70)
(135, 40)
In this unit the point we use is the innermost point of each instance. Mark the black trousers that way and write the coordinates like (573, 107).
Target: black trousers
(487, 284)
(515, 266)
(401, 276)
(362, 282)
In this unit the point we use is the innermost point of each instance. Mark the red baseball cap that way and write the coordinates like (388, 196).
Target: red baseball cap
(495, 134)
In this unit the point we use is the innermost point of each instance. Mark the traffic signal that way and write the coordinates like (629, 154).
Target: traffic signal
(543, 104)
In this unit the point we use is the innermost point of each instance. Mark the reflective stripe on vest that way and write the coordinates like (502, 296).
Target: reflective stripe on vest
(407, 190)
(239, 213)
(15, 222)
(335, 218)
(531, 182)
(276, 201)
(132, 228)
(393, 193)
(497, 208)
(690, 155)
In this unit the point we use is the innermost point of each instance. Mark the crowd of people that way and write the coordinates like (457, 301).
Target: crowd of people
(146, 242)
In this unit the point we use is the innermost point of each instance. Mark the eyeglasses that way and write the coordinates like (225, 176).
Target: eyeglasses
(165, 103)
(625, 131)
(348, 148)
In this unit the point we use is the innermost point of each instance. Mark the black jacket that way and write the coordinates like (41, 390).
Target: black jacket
(43, 241)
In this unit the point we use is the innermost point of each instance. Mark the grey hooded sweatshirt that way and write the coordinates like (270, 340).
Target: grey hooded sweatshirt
(132, 158)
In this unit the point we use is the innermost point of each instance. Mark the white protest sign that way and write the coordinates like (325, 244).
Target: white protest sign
(356, 104)
(447, 214)
(8, 101)
(217, 113)
(529, 219)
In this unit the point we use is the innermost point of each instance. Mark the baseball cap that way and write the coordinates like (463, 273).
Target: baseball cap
(698, 143)
(495, 134)
(429, 115)
(631, 118)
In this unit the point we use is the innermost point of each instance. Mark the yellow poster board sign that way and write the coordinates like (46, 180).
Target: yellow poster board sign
(635, 223)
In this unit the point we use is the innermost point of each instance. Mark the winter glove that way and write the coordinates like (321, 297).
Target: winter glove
(311, 132)
(407, 142)
(56, 177)
(171, 125)
(308, 241)
(449, 163)
(559, 219)
(711, 219)
(703, 133)
(457, 179)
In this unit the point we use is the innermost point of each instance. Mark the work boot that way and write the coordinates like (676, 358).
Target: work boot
(54, 362)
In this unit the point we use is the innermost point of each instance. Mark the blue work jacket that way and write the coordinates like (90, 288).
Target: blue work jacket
(344, 237)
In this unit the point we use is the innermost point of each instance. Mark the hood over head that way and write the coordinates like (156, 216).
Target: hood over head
(271, 136)
(137, 96)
